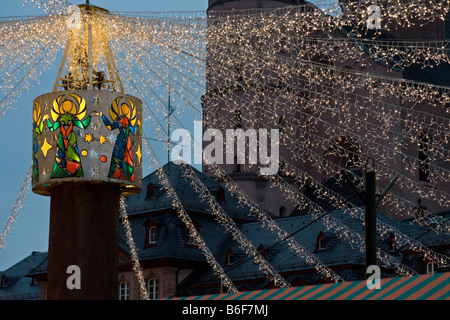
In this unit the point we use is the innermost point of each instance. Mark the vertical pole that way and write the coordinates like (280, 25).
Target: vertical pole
(84, 221)
(169, 112)
(370, 218)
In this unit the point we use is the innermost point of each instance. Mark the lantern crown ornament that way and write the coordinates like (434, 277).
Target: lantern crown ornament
(87, 130)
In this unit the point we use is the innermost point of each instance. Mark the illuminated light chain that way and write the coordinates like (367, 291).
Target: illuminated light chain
(382, 227)
(51, 6)
(133, 251)
(444, 176)
(394, 53)
(274, 227)
(231, 227)
(28, 48)
(182, 31)
(177, 205)
(15, 211)
(292, 194)
(329, 15)
(320, 159)
(183, 215)
(337, 226)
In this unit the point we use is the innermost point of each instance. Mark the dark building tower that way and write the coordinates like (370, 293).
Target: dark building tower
(275, 75)
(238, 99)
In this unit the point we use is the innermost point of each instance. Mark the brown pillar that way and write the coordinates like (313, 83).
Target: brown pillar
(84, 221)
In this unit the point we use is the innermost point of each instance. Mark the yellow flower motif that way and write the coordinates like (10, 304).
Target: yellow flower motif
(102, 139)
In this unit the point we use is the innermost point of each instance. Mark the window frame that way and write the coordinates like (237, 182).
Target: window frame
(126, 293)
(433, 267)
(151, 240)
(229, 258)
(153, 289)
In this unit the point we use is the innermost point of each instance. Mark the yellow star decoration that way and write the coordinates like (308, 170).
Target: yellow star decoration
(102, 139)
(139, 154)
(45, 147)
(88, 138)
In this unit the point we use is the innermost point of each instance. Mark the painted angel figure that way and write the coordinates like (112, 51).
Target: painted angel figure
(66, 115)
(124, 119)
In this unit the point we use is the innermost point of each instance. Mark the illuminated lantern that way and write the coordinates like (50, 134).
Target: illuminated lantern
(87, 136)
(87, 153)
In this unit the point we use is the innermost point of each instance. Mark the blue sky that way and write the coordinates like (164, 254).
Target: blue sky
(30, 231)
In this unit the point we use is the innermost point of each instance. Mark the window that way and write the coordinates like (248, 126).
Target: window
(152, 288)
(3, 283)
(262, 251)
(150, 191)
(391, 243)
(220, 195)
(190, 238)
(431, 268)
(321, 242)
(124, 290)
(230, 258)
(151, 234)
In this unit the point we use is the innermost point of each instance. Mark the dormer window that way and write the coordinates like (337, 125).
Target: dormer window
(220, 195)
(190, 238)
(391, 244)
(151, 233)
(431, 268)
(230, 258)
(3, 283)
(150, 191)
(261, 251)
(321, 242)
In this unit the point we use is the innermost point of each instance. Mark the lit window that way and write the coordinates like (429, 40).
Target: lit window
(152, 288)
(124, 290)
(431, 268)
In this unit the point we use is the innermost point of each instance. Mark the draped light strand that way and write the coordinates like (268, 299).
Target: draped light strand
(133, 250)
(231, 227)
(183, 215)
(15, 211)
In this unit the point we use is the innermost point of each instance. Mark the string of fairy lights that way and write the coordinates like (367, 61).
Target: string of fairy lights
(335, 92)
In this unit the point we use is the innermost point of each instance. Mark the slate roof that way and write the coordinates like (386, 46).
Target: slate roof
(338, 251)
(18, 284)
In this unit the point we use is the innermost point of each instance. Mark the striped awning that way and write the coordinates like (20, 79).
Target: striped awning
(421, 287)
